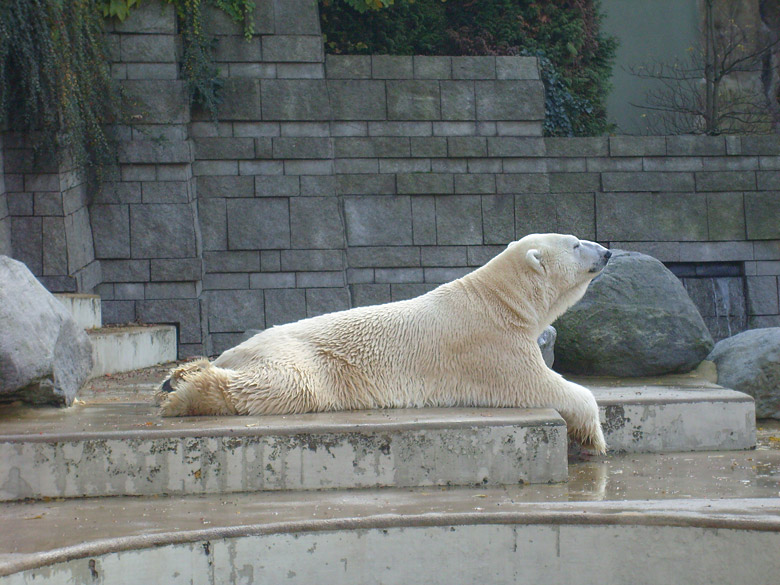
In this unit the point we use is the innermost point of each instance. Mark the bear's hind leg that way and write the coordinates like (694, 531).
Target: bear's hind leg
(197, 388)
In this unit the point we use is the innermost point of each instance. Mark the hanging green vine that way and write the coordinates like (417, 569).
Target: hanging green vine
(55, 81)
(197, 65)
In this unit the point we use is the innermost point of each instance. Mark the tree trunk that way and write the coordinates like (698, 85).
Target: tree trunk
(710, 60)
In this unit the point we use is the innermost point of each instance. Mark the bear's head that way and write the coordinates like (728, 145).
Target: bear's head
(567, 259)
(546, 273)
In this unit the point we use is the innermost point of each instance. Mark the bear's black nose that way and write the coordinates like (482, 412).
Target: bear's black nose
(607, 255)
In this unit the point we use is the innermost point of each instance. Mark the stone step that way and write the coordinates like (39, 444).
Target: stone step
(86, 309)
(115, 443)
(673, 413)
(131, 347)
(468, 536)
(109, 448)
(119, 348)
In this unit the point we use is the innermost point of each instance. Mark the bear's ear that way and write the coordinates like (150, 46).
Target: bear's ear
(534, 259)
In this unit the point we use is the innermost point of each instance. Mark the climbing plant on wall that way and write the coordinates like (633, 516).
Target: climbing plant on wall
(575, 57)
(54, 76)
(197, 65)
(55, 82)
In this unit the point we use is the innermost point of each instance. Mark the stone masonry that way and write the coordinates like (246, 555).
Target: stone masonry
(49, 219)
(336, 181)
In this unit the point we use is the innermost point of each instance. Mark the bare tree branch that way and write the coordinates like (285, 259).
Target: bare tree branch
(707, 92)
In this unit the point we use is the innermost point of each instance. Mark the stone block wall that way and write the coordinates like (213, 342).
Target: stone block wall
(49, 219)
(706, 206)
(145, 217)
(336, 181)
(359, 186)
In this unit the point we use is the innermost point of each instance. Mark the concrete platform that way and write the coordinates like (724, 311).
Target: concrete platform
(120, 348)
(126, 449)
(673, 413)
(131, 347)
(721, 508)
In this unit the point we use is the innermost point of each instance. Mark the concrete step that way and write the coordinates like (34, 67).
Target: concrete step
(673, 413)
(119, 348)
(464, 536)
(131, 347)
(109, 448)
(85, 308)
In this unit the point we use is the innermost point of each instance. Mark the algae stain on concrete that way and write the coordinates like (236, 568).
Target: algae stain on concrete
(16, 486)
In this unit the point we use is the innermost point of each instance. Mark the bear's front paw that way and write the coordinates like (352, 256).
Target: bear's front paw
(592, 439)
(171, 405)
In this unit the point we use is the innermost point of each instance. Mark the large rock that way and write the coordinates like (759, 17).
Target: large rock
(750, 362)
(546, 343)
(635, 320)
(45, 357)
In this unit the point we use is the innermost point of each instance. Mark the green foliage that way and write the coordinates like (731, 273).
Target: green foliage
(407, 28)
(54, 77)
(116, 8)
(197, 65)
(239, 11)
(55, 82)
(366, 5)
(577, 60)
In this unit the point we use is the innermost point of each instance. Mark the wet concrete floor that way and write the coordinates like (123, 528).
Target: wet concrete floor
(30, 527)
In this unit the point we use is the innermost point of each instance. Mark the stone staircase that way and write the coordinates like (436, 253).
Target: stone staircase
(120, 348)
(109, 492)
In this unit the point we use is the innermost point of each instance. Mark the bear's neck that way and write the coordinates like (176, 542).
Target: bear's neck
(500, 300)
(532, 310)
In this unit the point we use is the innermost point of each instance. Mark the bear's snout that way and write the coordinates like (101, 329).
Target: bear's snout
(603, 257)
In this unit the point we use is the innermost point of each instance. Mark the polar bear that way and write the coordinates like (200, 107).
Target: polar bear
(469, 342)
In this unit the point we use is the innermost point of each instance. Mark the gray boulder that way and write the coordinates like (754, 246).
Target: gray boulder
(45, 357)
(750, 362)
(635, 320)
(546, 343)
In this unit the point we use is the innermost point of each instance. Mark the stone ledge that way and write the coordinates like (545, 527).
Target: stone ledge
(403, 448)
(673, 413)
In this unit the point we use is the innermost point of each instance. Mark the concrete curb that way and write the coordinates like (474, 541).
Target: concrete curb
(755, 515)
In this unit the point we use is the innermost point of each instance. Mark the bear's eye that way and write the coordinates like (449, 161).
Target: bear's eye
(577, 245)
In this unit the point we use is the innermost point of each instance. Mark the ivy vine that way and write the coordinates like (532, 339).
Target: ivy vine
(197, 65)
(55, 82)
(55, 79)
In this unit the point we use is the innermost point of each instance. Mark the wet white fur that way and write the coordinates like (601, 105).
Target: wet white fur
(470, 342)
